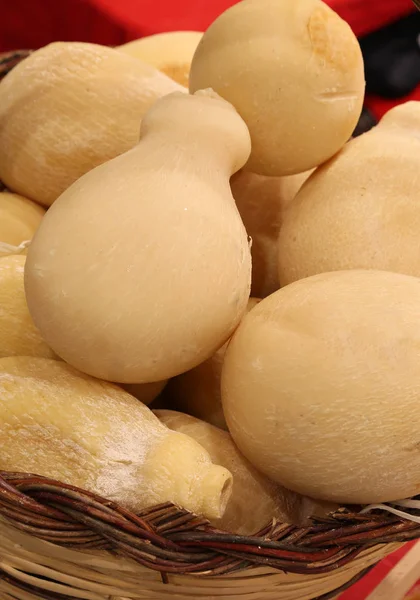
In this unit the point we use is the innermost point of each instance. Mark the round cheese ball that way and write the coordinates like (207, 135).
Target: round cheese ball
(361, 209)
(321, 386)
(294, 72)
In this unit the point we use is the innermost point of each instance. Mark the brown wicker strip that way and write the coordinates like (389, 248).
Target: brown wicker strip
(170, 540)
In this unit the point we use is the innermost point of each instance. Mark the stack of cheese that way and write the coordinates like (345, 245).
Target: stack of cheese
(167, 209)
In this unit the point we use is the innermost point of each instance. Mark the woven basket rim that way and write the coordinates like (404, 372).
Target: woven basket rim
(173, 542)
(169, 539)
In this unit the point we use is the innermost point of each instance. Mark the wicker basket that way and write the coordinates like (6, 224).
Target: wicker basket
(57, 542)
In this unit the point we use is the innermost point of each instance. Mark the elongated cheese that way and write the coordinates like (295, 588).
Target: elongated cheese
(57, 422)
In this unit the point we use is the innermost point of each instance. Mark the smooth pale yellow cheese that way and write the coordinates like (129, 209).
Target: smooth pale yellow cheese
(68, 108)
(146, 392)
(262, 202)
(170, 52)
(361, 209)
(197, 392)
(294, 71)
(59, 423)
(142, 269)
(19, 218)
(255, 500)
(321, 386)
(18, 334)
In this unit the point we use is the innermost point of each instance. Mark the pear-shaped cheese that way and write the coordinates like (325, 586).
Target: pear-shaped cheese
(142, 269)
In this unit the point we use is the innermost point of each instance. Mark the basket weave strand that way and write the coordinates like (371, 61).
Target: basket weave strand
(168, 539)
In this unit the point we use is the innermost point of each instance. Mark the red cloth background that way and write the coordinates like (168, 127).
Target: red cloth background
(167, 15)
(365, 586)
(30, 24)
